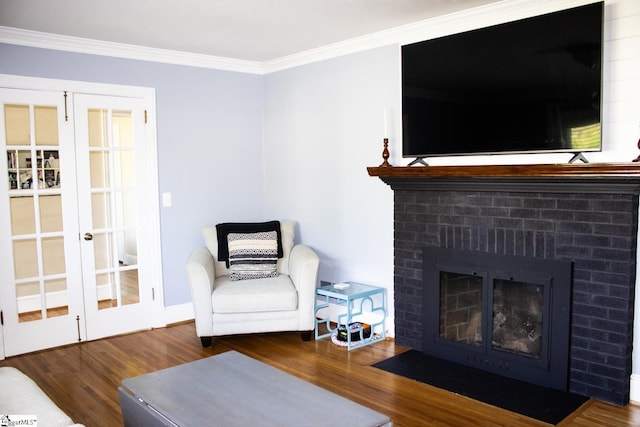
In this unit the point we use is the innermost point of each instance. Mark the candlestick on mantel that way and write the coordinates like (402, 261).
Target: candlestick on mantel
(385, 154)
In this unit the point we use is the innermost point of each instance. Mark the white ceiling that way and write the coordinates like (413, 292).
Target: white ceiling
(253, 30)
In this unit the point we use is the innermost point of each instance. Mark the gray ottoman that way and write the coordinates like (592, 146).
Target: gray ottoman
(231, 389)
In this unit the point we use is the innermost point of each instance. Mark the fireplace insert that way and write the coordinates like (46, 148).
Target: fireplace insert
(505, 314)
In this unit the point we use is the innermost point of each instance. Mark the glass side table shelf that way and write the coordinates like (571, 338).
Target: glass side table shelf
(353, 296)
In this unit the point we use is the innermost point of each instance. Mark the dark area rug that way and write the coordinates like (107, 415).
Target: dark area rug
(547, 405)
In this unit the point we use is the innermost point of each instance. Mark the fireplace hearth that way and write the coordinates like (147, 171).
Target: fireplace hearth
(584, 214)
(505, 314)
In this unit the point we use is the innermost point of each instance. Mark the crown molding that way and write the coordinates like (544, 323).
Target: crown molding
(404, 34)
(465, 20)
(38, 39)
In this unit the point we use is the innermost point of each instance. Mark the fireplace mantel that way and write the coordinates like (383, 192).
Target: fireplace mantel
(612, 178)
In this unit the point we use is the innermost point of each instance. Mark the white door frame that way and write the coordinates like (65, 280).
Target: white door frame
(148, 96)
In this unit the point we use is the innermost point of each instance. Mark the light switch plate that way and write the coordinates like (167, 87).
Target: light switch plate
(166, 200)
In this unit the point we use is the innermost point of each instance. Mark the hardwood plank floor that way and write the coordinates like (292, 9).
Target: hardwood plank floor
(83, 378)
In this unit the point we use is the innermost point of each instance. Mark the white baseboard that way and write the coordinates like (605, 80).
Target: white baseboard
(178, 313)
(130, 259)
(634, 393)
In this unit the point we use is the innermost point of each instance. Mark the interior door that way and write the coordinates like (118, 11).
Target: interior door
(77, 262)
(111, 173)
(41, 293)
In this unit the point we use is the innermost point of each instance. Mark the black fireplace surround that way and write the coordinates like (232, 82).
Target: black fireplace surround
(588, 220)
(504, 314)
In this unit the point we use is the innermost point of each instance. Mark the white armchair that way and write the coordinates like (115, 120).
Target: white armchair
(226, 307)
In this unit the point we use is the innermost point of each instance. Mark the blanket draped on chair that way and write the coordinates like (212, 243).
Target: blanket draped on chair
(223, 229)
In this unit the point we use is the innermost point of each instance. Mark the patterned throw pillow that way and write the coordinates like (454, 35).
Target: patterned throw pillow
(252, 255)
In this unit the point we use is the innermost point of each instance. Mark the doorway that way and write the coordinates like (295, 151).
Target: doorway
(80, 170)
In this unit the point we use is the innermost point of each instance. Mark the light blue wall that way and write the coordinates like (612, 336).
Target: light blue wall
(209, 129)
(324, 124)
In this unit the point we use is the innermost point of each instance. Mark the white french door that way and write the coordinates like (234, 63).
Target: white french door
(40, 291)
(78, 261)
(110, 167)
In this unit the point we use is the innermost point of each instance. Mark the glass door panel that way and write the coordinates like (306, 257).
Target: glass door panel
(99, 162)
(53, 255)
(113, 210)
(51, 213)
(35, 206)
(18, 129)
(518, 309)
(55, 289)
(102, 251)
(460, 310)
(25, 258)
(29, 301)
(130, 286)
(23, 220)
(101, 206)
(46, 125)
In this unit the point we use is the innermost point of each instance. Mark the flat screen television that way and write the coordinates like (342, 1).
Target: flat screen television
(527, 86)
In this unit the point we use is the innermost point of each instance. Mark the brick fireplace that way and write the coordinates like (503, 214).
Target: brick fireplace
(585, 214)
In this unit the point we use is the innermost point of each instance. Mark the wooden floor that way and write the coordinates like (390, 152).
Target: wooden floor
(83, 378)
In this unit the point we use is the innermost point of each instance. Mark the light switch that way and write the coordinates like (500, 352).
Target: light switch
(166, 200)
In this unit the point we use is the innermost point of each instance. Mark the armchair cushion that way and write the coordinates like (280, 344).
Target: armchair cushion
(252, 255)
(255, 295)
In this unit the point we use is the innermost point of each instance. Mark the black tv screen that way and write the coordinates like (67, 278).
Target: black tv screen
(526, 86)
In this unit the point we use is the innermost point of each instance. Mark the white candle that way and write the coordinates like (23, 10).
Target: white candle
(386, 123)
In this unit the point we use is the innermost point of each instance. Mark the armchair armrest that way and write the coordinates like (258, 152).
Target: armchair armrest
(303, 270)
(201, 271)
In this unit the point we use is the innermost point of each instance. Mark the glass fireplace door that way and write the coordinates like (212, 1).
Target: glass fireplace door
(513, 317)
(518, 317)
(461, 313)
(504, 314)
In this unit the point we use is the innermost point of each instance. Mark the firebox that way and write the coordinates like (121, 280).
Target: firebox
(505, 314)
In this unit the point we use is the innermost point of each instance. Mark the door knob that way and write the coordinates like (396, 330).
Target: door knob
(88, 236)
